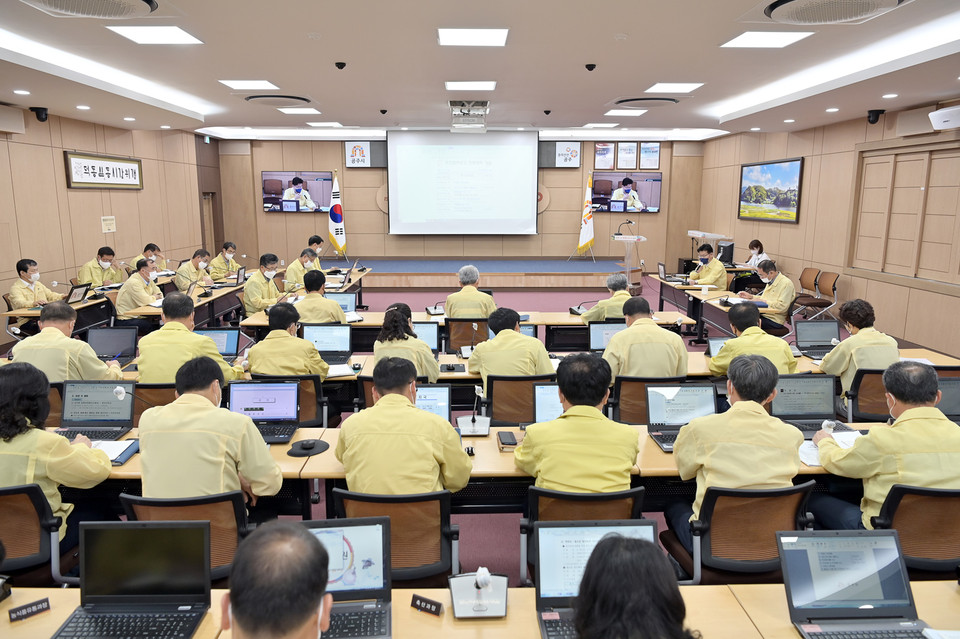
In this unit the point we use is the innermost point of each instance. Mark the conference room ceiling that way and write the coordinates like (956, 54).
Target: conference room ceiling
(394, 63)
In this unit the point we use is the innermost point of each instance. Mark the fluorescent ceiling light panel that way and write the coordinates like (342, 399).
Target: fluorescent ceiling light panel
(250, 85)
(832, 110)
(21, 92)
(766, 39)
(606, 135)
(330, 124)
(889, 96)
(674, 87)
(472, 37)
(129, 119)
(156, 35)
(298, 110)
(629, 113)
(471, 86)
(279, 133)
(83, 107)
(601, 125)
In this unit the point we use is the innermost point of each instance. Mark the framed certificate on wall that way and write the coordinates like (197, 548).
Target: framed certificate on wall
(649, 155)
(603, 156)
(626, 156)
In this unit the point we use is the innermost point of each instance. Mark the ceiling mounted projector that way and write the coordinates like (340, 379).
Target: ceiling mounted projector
(107, 9)
(810, 12)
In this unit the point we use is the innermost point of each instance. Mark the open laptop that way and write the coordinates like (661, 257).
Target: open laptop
(348, 303)
(429, 332)
(241, 276)
(93, 409)
(274, 407)
(226, 339)
(563, 548)
(714, 344)
(141, 579)
(805, 401)
(813, 337)
(346, 276)
(847, 581)
(119, 343)
(662, 272)
(950, 402)
(435, 398)
(672, 406)
(78, 293)
(332, 341)
(546, 402)
(601, 332)
(359, 575)
(530, 330)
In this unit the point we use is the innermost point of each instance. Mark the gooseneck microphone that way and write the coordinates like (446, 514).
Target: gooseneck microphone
(622, 224)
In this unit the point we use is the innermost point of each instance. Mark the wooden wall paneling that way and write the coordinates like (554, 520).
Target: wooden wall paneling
(566, 243)
(837, 179)
(448, 246)
(9, 230)
(890, 302)
(171, 146)
(175, 185)
(403, 246)
(365, 244)
(801, 143)
(146, 144)
(239, 207)
(528, 244)
(485, 245)
(751, 147)
(78, 136)
(327, 156)
(708, 193)
(128, 240)
(775, 146)
(711, 149)
(684, 214)
(151, 224)
(728, 150)
(101, 139)
(925, 323)
(37, 208)
(298, 156)
(36, 133)
(842, 137)
(921, 213)
(904, 214)
(884, 226)
(118, 141)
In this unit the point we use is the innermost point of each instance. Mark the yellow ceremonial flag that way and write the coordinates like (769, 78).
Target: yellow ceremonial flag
(586, 220)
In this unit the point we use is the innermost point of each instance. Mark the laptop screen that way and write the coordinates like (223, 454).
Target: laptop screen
(434, 398)
(131, 562)
(265, 401)
(241, 275)
(950, 402)
(113, 342)
(816, 332)
(347, 301)
(226, 339)
(290, 206)
(546, 402)
(87, 403)
(677, 404)
(334, 338)
(601, 332)
(715, 344)
(359, 551)
(617, 206)
(662, 270)
(530, 330)
(804, 396)
(429, 332)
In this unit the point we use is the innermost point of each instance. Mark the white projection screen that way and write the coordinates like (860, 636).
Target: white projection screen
(443, 183)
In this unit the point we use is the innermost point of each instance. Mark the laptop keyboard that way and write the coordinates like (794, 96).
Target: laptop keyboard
(335, 359)
(277, 431)
(816, 353)
(85, 624)
(108, 434)
(869, 634)
(365, 623)
(817, 424)
(559, 628)
(665, 438)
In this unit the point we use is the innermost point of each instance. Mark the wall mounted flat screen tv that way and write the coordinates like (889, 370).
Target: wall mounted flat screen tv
(646, 185)
(279, 194)
(770, 191)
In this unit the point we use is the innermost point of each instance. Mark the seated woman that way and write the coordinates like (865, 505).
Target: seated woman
(751, 280)
(397, 339)
(629, 590)
(32, 455)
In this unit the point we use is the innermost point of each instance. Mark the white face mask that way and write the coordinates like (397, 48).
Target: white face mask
(754, 252)
(308, 264)
(269, 274)
(153, 276)
(35, 277)
(765, 280)
(105, 265)
(202, 264)
(228, 256)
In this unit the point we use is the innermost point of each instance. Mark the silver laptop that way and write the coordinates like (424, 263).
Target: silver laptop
(359, 575)
(226, 339)
(813, 337)
(714, 344)
(348, 303)
(672, 406)
(805, 401)
(435, 398)
(114, 343)
(601, 332)
(847, 581)
(346, 276)
(332, 341)
(662, 272)
(546, 403)
(274, 407)
(94, 409)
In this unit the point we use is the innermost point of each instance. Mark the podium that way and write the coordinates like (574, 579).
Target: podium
(629, 241)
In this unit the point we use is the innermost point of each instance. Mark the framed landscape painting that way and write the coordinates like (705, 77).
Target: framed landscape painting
(771, 190)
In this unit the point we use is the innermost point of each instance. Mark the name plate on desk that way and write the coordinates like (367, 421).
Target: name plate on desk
(629, 238)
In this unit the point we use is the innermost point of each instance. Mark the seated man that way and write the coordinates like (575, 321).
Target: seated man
(299, 193)
(316, 243)
(54, 352)
(193, 447)
(152, 253)
(710, 271)
(778, 294)
(742, 448)
(921, 448)
(644, 349)
(611, 307)
(223, 265)
(468, 301)
(627, 192)
(277, 585)
(28, 291)
(315, 308)
(140, 289)
(283, 353)
(163, 352)
(261, 291)
(101, 271)
(750, 340)
(581, 451)
(510, 352)
(293, 278)
(194, 270)
(393, 447)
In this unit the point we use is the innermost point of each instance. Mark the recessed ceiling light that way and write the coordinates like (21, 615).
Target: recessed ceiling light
(889, 96)
(756, 128)
(404, 128)
(129, 119)
(164, 126)
(250, 85)
(674, 87)
(600, 125)
(156, 35)
(298, 110)
(766, 39)
(21, 92)
(519, 128)
(472, 37)
(832, 110)
(471, 86)
(333, 124)
(625, 112)
(83, 107)
(789, 121)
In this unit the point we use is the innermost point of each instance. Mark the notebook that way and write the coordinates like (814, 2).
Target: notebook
(672, 406)
(119, 343)
(332, 341)
(805, 401)
(601, 332)
(348, 303)
(563, 548)
(226, 339)
(359, 575)
(273, 406)
(435, 398)
(714, 344)
(429, 332)
(530, 330)
(813, 337)
(950, 402)
(662, 271)
(847, 581)
(93, 409)
(144, 579)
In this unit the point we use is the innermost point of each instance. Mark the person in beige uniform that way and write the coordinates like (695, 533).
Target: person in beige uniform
(293, 278)
(261, 291)
(194, 271)
(314, 308)
(612, 307)
(28, 291)
(193, 447)
(742, 448)
(778, 293)
(751, 340)
(644, 349)
(152, 253)
(315, 242)
(102, 271)
(283, 353)
(395, 448)
(468, 301)
(140, 289)
(397, 339)
(710, 271)
(60, 357)
(223, 265)
(509, 352)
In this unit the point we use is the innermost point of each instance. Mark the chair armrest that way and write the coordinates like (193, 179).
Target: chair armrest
(698, 527)
(453, 532)
(52, 524)
(879, 521)
(525, 526)
(805, 521)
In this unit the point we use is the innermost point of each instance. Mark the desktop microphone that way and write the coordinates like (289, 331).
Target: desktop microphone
(622, 224)
(56, 283)
(474, 425)
(121, 393)
(436, 309)
(466, 352)
(579, 309)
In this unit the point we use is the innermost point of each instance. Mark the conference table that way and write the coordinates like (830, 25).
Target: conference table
(208, 310)
(91, 313)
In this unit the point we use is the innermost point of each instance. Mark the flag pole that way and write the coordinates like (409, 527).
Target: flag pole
(586, 238)
(336, 208)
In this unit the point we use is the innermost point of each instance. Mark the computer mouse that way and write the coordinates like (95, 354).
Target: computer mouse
(552, 355)
(357, 366)
(449, 367)
(469, 450)
(306, 444)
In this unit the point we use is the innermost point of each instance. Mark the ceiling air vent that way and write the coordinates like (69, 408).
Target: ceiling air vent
(811, 12)
(108, 9)
(279, 101)
(644, 103)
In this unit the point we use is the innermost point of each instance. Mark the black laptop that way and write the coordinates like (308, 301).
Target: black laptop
(950, 402)
(805, 401)
(95, 410)
(662, 272)
(714, 344)
(814, 337)
(331, 340)
(274, 407)
(671, 407)
(117, 342)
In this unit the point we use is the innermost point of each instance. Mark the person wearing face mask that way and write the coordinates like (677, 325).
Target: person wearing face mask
(261, 291)
(920, 448)
(194, 271)
(778, 294)
(315, 308)
(751, 280)
(627, 192)
(163, 352)
(192, 447)
(223, 265)
(315, 242)
(27, 292)
(140, 289)
(301, 194)
(102, 271)
(281, 352)
(710, 271)
(750, 340)
(298, 268)
(152, 252)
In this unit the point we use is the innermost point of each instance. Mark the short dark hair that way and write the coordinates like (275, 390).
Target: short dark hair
(151, 247)
(177, 306)
(295, 181)
(309, 252)
(767, 266)
(197, 374)
(57, 312)
(858, 313)
(753, 377)
(503, 319)
(268, 258)
(282, 315)
(278, 579)
(583, 378)
(229, 245)
(144, 263)
(105, 251)
(200, 252)
(707, 248)
(24, 265)
(314, 280)
(755, 244)
(314, 239)
(636, 306)
(910, 382)
(743, 316)
(396, 323)
(626, 181)
(24, 399)
(392, 374)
